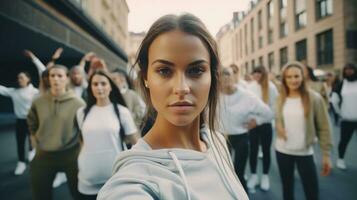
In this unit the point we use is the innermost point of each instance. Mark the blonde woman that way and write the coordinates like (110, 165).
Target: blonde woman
(301, 116)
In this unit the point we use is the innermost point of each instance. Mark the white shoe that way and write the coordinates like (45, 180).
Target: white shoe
(264, 183)
(32, 154)
(341, 164)
(260, 153)
(60, 178)
(252, 182)
(20, 168)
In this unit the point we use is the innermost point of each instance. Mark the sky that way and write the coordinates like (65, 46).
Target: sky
(214, 13)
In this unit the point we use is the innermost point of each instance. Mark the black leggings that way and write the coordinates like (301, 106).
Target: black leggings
(21, 133)
(307, 171)
(87, 197)
(260, 135)
(347, 129)
(240, 145)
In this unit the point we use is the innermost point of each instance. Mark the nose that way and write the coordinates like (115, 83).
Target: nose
(181, 85)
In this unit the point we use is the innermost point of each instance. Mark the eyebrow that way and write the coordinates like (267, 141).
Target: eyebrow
(172, 64)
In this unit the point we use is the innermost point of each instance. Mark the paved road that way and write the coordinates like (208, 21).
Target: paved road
(339, 185)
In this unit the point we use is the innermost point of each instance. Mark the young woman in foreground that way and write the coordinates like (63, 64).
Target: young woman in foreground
(301, 117)
(179, 158)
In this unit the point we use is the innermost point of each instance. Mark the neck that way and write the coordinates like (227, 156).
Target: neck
(57, 92)
(103, 102)
(294, 93)
(229, 89)
(164, 134)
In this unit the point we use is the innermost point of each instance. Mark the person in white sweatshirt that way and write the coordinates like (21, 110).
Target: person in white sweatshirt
(181, 156)
(22, 98)
(344, 99)
(240, 111)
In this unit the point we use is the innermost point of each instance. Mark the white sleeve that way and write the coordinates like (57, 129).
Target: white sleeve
(262, 112)
(5, 91)
(335, 99)
(39, 65)
(127, 121)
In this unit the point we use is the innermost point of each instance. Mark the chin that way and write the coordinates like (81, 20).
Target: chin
(181, 120)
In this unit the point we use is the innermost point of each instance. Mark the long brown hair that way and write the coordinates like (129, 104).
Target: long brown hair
(263, 82)
(303, 90)
(192, 25)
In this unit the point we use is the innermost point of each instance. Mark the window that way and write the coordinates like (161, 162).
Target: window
(283, 23)
(283, 56)
(253, 64)
(270, 7)
(323, 8)
(283, 29)
(301, 50)
(261, 60)
(247, 67)
(300, 14)
(270, 36)
(252, 34)
(260, 42)
(245, 39)
(270, 12)
(260, 20)
(324, 48)
(270, 60)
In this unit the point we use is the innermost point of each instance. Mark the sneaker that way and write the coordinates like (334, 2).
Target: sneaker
(341, 164)
(252, 182)
(59, 180)
(260, 153)
(264, 182)
(20, 168)
(32, 154)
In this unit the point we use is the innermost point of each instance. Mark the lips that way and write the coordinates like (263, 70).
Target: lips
(181, 103)
(181, 106)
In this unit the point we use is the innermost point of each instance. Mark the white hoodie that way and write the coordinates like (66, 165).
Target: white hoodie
(171, 174)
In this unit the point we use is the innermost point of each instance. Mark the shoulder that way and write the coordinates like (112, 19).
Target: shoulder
(123, 110)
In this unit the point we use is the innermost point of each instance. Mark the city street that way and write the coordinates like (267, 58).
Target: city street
(339, 185)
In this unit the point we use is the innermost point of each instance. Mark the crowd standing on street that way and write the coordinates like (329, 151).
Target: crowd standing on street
(189, 132)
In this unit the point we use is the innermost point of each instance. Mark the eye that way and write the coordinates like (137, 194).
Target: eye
(164, 71)
(196, 71)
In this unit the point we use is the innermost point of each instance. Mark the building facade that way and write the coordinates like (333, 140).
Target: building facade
(320, 33)
(111, 16)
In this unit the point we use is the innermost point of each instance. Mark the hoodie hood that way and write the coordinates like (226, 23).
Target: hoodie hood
(175, 173)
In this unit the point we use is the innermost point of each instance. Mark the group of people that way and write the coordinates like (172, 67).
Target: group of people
(86, 124)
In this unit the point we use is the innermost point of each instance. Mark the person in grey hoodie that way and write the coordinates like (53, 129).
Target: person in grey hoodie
(54, 135)
(181, 156)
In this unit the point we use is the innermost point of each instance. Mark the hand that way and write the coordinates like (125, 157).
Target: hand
(33, 141)
(281, 132)
(326, 165)
(88, 56)
(57, 53)
(251, 124)
(28, 53)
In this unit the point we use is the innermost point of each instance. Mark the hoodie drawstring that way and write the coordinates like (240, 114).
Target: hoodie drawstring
(182, 174)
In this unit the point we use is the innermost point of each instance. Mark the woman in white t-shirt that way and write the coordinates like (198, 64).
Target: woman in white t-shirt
(301, 117)
(106, 124)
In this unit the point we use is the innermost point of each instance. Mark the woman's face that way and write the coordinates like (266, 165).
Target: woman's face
(100, 87)
(178, 76)
(22, 79)
(293, 78)
(227, 78)
(257, 76)
(58, 79)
